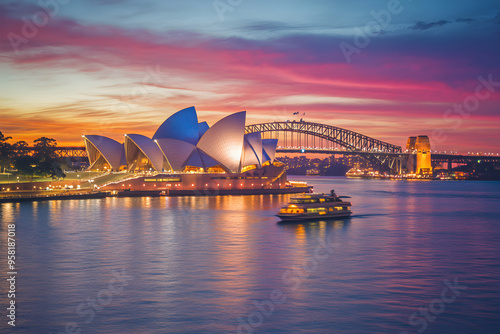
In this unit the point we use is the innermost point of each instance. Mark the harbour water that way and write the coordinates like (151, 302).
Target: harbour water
(416, 257)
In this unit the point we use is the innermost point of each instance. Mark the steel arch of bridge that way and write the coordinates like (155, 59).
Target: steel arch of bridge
(351, 140)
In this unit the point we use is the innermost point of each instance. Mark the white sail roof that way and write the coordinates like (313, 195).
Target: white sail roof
(176, 151)
(147, 146)
(203, 127)
(100, 147)
(183, 125)
(200, 159)
(248, 157)
(224, 141)
(269, 149)
(254, 140)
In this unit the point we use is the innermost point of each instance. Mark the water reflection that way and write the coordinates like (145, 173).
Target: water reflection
(318, 228)
(199, 263)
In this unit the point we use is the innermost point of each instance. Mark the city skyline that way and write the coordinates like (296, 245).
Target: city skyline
(422, 69)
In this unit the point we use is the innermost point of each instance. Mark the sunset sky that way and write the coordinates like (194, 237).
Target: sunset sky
(110, 67)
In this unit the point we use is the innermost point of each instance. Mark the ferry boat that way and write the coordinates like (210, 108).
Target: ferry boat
(313, 172)
(315, 206)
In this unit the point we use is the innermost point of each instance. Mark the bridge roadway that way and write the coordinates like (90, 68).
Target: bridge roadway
(79, 152)
(436, 157)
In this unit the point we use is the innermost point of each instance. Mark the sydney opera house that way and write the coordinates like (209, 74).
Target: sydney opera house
(185, 154)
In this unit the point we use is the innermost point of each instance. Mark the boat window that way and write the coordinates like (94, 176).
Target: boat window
(294, 210)
(303, 200)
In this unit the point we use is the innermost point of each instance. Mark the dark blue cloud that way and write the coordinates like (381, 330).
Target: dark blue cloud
(468, 20)
(270, 26)
(420, 25)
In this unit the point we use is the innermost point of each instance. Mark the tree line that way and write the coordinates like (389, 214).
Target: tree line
(43, 161)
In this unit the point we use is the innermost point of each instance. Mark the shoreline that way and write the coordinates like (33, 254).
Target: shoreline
(397, 178)
(171, 193)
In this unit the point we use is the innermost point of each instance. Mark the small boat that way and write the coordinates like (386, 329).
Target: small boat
(315, 206)
(313, 172)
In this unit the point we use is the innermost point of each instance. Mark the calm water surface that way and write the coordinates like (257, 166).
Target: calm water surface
(224, 265)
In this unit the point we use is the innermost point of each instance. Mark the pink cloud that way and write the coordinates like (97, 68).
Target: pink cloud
(253, 75)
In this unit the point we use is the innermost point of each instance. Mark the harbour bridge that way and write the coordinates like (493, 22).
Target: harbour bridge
(301, 136)
(307, 134)
(309, 137)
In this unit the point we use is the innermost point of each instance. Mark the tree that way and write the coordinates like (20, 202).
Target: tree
(25, 165)
(46, 159)
(45, 148)
(3, 138)
(5, 152)
(19, 148)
